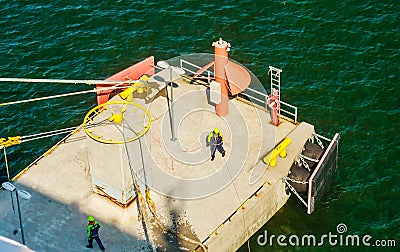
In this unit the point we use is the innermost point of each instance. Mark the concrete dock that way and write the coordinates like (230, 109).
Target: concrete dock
(216, 204)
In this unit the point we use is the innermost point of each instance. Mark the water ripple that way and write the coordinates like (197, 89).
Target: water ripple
(339, 60)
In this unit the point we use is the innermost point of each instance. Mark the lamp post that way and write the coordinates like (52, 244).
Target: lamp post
(25, 195)
(180, 71)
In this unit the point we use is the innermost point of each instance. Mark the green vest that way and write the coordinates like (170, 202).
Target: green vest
(93, 229)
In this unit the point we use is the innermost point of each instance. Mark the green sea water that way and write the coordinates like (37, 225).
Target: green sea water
(341, 68)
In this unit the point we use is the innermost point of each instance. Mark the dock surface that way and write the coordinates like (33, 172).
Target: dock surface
(192, 194)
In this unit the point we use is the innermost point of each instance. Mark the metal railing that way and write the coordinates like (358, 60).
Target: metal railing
(194, 69)
(287, 110)
(256, 97)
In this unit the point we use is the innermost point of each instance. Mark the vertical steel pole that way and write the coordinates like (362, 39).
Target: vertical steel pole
(173, 139)
(20, 218)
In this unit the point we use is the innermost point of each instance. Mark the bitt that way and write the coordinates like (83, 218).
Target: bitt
(280, 150)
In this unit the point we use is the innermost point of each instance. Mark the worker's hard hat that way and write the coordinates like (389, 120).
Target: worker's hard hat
(90, 218)
(216, 130)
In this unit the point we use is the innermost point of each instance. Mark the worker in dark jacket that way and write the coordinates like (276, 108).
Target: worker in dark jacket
(93, 233)
(215, 140)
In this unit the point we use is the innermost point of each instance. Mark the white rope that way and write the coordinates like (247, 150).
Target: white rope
(88, 82)
(50, 135)
(5, 159)
(49, 132)
(54, 132)
(46, 134)
(44, 98)
(58, 96)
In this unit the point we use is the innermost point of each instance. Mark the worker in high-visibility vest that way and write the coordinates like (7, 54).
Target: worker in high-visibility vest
(215, 140)
(93, 233)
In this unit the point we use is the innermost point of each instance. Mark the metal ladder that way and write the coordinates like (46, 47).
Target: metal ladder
(275, 79)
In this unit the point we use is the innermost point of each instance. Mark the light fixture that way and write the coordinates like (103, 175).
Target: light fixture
(177, 70)
(19, 193)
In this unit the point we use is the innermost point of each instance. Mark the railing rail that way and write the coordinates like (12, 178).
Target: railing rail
(190, 70)
(285, 108)
(260, 98)
(257, 97)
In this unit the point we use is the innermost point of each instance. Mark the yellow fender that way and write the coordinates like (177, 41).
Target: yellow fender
(280, 150)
